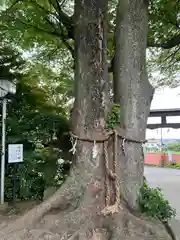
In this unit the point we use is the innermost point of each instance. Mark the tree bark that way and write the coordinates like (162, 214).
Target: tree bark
(91, 72)
(132, 90)
(91, 91)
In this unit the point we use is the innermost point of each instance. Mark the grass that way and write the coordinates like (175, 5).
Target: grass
(174, 166)
(178, 153)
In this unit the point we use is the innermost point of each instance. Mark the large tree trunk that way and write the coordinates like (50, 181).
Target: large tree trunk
(132, 90)
(91, 71)
(91, 96)
(82, 200)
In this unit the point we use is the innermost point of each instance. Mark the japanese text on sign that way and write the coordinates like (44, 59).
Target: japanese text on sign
(15, 153)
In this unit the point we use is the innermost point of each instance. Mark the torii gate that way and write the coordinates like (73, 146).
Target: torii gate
(163, 114)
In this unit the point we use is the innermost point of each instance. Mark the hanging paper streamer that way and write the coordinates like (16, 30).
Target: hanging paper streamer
(74, 143)
(95, 150)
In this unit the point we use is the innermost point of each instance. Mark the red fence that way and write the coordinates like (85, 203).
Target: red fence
(159, 158)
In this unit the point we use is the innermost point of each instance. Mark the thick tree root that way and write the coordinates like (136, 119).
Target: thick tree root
(170, 231)
(80, 218)
(122, 225)
(74, 236)
(34, 215)
(67, 197)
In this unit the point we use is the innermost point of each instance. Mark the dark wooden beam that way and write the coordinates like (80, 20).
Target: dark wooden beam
(163, 120)
(163, 113)
(160, 125)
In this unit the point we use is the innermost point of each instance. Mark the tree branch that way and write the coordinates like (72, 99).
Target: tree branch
(174, 24)
(41, 7)
(64, 39)
(54, 33)
(48, 14)
(174, 41)
(13, 4)
(172, 55)
(64, 18)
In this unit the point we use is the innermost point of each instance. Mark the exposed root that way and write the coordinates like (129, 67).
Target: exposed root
(68, 195)
(31, 217)
(74, 236)
(126, 226)
(170, 231)
(122, 225)
(99, 234)
(83, 221)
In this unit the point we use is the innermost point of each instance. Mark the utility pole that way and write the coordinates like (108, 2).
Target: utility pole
(161, 141)
(5, 88)
(4, 104)
(162, 150)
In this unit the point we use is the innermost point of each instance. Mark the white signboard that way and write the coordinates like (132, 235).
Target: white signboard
(15, 153)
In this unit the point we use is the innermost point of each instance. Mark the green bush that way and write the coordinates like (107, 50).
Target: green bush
(39, 170)
(113, 116)
(153, 204)
(175, 166)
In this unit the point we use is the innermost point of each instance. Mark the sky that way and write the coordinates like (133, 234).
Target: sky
(165, 98)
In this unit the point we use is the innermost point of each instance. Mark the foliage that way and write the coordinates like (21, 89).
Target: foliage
(41, 168)
(11, 62)
(173, 165)
(36, 28)
(174, 147)
(164, 32)
(46, 29)
(153, 204)
(32, 117)
(113, 117)
(37, 119)
(38, 109)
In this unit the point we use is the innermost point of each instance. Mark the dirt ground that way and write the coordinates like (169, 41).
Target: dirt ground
(13, 211)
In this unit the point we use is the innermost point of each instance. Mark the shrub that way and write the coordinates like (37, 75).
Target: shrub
(41, 168)
(113, 117)
(173, 165)
(153, 204)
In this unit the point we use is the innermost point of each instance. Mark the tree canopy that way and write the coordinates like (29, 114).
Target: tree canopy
(52, 34)
(37, 117)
